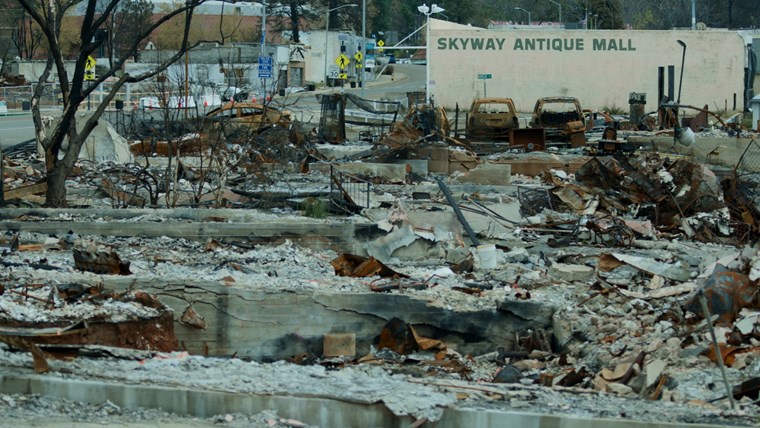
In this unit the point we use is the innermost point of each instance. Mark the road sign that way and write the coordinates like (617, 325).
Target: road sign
(342, 61)
(381, 43)
(343, 76)
(89, 75)
(89, 64)
(265, 66)
(333, 72)
(358, 57)
(484, 76)
(358, 65)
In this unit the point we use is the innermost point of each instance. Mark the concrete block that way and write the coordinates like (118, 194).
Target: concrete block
(417, 166)
(339, 345)
(438, 167)
(333, 152)
(536, 166)
(487, 173)
(571, 273)
(390, 172)
(457, 255)
(435, 153)
(539, 314)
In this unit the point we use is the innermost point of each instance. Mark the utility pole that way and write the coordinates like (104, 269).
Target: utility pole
(264, 44)
(363, 81)
(693, 15)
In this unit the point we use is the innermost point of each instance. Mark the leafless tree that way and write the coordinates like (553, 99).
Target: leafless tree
(26, 37)
(60, 158)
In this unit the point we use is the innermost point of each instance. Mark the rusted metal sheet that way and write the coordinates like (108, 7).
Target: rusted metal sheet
(401, 338)
(531, 139)
(562, 118)
(492, 119)
(727, 292)
(100, 262)
(359, 267)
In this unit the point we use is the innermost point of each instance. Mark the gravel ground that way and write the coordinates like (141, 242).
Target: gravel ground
(587, 317)
(39, 411)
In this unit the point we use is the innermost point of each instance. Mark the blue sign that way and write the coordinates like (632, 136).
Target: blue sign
(265, 66)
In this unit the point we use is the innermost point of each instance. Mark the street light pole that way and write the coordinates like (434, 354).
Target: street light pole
(363, 81)
(560, 9)
(263, 46)
(427, 11)
(524, 10)
(327, 27)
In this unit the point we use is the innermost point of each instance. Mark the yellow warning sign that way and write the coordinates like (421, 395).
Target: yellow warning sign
(381, 43)
(89, 64)
(358, 57)
(342, 61)
(89, 75)
(343, 76)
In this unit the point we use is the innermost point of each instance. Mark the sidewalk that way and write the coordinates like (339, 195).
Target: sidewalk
(383, 79)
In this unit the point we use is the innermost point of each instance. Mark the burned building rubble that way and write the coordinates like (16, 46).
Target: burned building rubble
(416, 276)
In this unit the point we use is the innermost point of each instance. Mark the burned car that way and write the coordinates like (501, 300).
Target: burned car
(232, 118)
(491, 119)
(561, 118)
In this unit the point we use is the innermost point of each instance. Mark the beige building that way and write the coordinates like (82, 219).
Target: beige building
(600, 67)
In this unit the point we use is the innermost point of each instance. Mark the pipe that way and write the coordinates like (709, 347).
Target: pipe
(458, 212)
(683, 59)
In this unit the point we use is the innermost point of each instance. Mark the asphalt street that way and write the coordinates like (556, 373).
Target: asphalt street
(18, 127)
(15, 129)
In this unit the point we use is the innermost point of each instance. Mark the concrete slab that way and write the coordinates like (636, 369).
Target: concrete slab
(487, 173)
(537, 166)
(316, 411)
(570, 272)
(417, 166)
(265, 324)
(308, 234)
(390, 172)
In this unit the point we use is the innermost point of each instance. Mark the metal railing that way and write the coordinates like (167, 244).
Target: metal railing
(349, 191)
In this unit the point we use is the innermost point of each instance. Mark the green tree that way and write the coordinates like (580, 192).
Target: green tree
(607, 14)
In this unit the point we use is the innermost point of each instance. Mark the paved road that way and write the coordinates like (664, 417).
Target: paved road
(15, 129)
(409, 77)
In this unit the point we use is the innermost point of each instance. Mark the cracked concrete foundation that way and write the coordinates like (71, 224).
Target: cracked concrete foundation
(264, 324)
(317, 411)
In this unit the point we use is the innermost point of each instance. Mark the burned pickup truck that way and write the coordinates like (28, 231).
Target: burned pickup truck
(491, 119)
(561, 118)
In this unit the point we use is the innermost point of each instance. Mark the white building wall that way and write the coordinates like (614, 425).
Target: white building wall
(600, 67)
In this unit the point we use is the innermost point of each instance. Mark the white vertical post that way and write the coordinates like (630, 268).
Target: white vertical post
(264, 44)
(364, 48)
(327, 25)
(427, 60)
